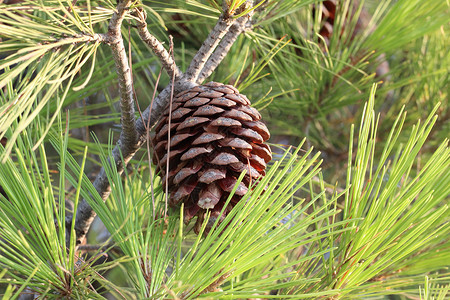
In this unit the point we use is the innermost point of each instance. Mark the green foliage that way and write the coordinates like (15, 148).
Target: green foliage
(433, 290)
(400, 210)
(391, 215)
(33, 227)
(259, 230)
(321, 86)
(47, 42)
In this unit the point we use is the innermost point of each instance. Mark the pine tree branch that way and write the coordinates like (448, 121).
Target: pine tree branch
(128, 138)
(157, 47)
(208, 46)
(128, 120)
(85, 214)
(222, 49)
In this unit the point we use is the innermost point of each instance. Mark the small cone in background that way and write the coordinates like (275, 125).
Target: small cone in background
(214, 135)
(329, 10)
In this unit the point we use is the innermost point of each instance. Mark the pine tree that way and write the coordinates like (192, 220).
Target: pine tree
(349, 201)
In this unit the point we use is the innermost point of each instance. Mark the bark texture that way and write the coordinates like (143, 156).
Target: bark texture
(128, 138)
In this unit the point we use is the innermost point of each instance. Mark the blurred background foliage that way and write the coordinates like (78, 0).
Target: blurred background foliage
(309, 69)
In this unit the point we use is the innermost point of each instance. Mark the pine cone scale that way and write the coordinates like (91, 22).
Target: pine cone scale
(207, 137)
(191, 122)
(248, 133)
(194, 152)
(209, 196)
(212, 175)
(237, 115)
(235, 143)
(223, 102)
(236, 99)
(195, 102)
(228, 122)
(211, 94)
(208, 110)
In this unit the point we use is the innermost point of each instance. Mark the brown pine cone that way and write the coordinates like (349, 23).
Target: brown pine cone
(214, 135)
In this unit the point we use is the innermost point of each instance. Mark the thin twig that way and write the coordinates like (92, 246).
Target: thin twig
(150, 143)
(100, 248)
(168, 136)
(215, 285)
(167, 61)
(147, 128)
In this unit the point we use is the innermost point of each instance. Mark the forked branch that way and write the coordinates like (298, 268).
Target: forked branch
(208, 47)
(128, 120)
(222, 49)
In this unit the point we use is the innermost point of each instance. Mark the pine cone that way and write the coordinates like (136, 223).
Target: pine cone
(214, 135)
